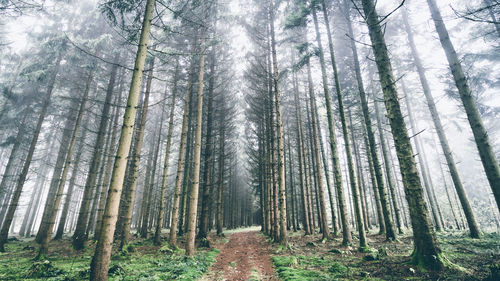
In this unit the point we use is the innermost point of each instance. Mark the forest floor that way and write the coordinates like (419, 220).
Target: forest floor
(311, 258)
(140, 260)
(246, 254)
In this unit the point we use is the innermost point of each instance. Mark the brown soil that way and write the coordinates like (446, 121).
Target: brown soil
(245, 256)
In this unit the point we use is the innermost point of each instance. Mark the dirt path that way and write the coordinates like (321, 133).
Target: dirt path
(244, 257)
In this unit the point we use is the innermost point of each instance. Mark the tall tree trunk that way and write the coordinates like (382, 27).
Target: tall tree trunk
(222, 159)
(71, 186)
(135, 161)
(427, 184)
(180, 163)
(387, 224)
(300, 155)
(14, 201)
(346, 232)
(426, 250)
(193, 195)
(100, 261)
(327, 176)
(488, 158)
(47, 233)
(361, 186)
(163, 189)
(31, 212)
(81, 234)
(57, 170)
(450, 161)
(385, 155)
(109, 163)
(317, 164)
(207, 175)
(279, 132)
(347, 144)
(8, 173)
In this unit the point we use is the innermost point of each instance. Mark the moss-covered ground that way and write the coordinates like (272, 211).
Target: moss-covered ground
(310, 258)
(140, 261)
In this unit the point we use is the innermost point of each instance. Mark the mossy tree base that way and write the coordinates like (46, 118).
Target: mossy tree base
(425, 262)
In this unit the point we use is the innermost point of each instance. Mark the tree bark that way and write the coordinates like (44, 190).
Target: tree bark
(180, 163)
(161, 211)
(488, 158)
(317, 158)
(14, 201)
(346, 232)
(426, 250)
(100, 261)
(136, 158)
(207, 184)
(71, 185)
(81, 234)
(387, 225)
(450, 161)
(109, 163)
(279, 131)
(46, 234)
(193, 198)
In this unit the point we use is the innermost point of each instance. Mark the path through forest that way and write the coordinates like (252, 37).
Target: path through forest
(245, 256)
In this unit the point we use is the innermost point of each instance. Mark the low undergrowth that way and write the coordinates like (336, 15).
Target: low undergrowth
(309, 259)
(145, 262)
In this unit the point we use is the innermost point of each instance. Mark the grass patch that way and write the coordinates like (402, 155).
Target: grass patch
(295, 268)
(147, 263)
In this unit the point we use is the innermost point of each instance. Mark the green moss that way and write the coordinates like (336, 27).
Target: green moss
(282, 261)
(308, 268)
(293, 274)
(337, 268)
(43, 269)
(74, 267)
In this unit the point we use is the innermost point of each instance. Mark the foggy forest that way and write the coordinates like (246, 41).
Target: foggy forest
(249, 140)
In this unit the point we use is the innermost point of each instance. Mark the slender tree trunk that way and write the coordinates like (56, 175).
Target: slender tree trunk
(279, 132)
(327, 176)
(222, 159)
(426, 250)
(300, 155)
(136, 158)
(193, 198)
(30, 214)
(207, 175)
(180, 163)
(373, 178)
(359, 173)
(163, 189)
(14, 201)
(319, 171)
(81, 234)
(450, 161)
(8, 173)
(488, 158)
(346, 232)
(109, 164)
(47, 233)
(388, 225)
(292, 183)
(71, 186)
(58, 167)
(385, 155)
(100, 261)
(427, 185)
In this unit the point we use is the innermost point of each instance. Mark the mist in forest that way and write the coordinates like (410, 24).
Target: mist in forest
(143, 131)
